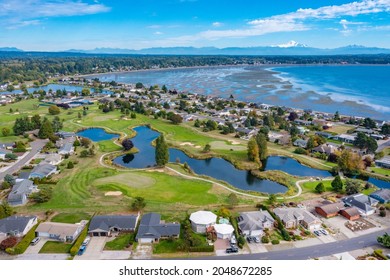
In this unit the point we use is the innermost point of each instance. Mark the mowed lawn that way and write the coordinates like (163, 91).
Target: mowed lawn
(54, 247)
(70, 218)
(310, 186)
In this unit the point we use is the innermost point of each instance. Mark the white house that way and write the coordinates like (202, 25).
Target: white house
(17, 225)
(253, 223)
(224, 231)
(200, 220)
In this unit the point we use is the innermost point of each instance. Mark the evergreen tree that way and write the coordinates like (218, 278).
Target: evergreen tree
(162, 152)
(46, 129)
(253, 150)
(320, 188)
(261, 140)
(337, 184)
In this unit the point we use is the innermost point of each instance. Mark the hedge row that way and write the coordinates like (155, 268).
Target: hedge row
(23, 244)
(202, 249)
(77, 244)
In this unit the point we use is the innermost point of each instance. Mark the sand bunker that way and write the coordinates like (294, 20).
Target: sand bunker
(234, 142)
(117, 193)
(186, 144)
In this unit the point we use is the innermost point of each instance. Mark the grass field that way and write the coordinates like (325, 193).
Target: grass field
(381, 171)
(120, 242)
(310, 186)
(70, 218)
(166, 246)
(54, 247)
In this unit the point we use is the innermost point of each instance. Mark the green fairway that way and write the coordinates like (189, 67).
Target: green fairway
(310, 186)
(108, 146)
(54, 247)
(70, 218)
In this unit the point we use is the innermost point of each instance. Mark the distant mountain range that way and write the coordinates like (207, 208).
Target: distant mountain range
(290, 48)
(10, 49)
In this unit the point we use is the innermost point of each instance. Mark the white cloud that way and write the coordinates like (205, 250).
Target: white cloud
(154, 26)
(158, 33)
(217, 24)
(17, 12)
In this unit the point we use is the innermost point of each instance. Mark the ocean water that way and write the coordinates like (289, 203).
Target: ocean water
(351, 90)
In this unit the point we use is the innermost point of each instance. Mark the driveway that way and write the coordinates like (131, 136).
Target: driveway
(36, 146)
(143, 252)
(257, 248)
(94, 249)
(34, 249)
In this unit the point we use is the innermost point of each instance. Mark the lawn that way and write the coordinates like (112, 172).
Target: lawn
(120, 242)
(310, 186)
(167, 246)
(381, 171)
(108, 146)
(54, 247)
(70, 218)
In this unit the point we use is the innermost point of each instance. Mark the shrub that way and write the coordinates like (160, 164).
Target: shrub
(23, 244)
(8, 243)
(76, 246)
(300, 151)
(264, 239)
(70, 165)
(379, 254)
(275, 242)
(241, 241)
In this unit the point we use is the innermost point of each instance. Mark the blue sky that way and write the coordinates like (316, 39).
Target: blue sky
(135, 24)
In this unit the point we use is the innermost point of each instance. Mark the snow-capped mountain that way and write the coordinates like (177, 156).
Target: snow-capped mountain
(291, 44)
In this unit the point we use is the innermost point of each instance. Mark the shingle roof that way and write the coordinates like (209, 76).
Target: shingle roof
(361, 201)
(43, 169)
(253, 220)
(15, 223)
(61, 229)
(332, 207)
(294, 214)
(104, 223)
(20, 191)
(382, 193)
(151, 227)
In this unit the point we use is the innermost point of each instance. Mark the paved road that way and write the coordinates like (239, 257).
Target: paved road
(383, 146)
(36, 146)
(312, 251)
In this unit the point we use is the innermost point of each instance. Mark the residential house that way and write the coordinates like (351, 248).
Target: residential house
(382, 195)
(43, 170)
(365, 204)
(300, 143)
(21, 191)
(303, 122)
(223, 231)
(105, 225)
(293, 217)
(253, 223)
(201, 220)
(152, 229)
(383, 162)
(60, 231)
(65, 134)
(3, 152)
(324, 134)
(327, 149)
(346, 138)
(7, 146)
(53, 159)
(17, 225)
(330, 210)
(351, 213)
(66, 149)
(302, 130)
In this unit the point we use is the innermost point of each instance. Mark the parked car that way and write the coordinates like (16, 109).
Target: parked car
(317, 233)
(256, 239)
(81, 250)
(324, 231)
(249, 239)
(232, 250)
(35, 241)
(86, 241)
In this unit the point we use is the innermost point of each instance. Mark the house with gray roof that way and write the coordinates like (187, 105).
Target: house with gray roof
(365, 204)
(53, 159)
(152, 229)
(17, 225)
(105, 225)
(3, 152)
(382, 195)
(21, 191)
(383, 162)
(300, 143)
(66, 149)
(43, 170)
(293, 217)
(253, 223)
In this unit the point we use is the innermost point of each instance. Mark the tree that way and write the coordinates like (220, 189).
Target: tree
(8, 243)
(70, 165)
(9, 179)
(369, 123)
(84, 153)
(138, 203)
(337, 116)
(5, 210)
(11, 156)
(352, 187)
(5, 131)
(211, 125)
(139, 85)
(207, 148)
(272, 198)
(261, 140)
(161, 152)
(56, 124)
(320, 188)
(176, 118)
(350, 163)
(253, 150)
(385, 129)
(363, 141)
(85, 92)
(46, 129)
(293, 116)
(54, 110)
(85, 142)
(44, 195)
(384, 240)
(337, 184)
(127, 144)
(197, 123)
(36, 121)
(164, 89)
(232, 200)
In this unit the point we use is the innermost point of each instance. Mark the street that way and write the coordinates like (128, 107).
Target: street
(36, 146)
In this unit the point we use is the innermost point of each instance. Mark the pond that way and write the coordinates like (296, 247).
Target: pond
(97, 134)
(214, 167)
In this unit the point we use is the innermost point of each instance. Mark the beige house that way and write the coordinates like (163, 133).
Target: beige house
(60, 231)
(293, 217)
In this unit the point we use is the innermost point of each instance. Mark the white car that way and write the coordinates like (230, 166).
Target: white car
(86, 241)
